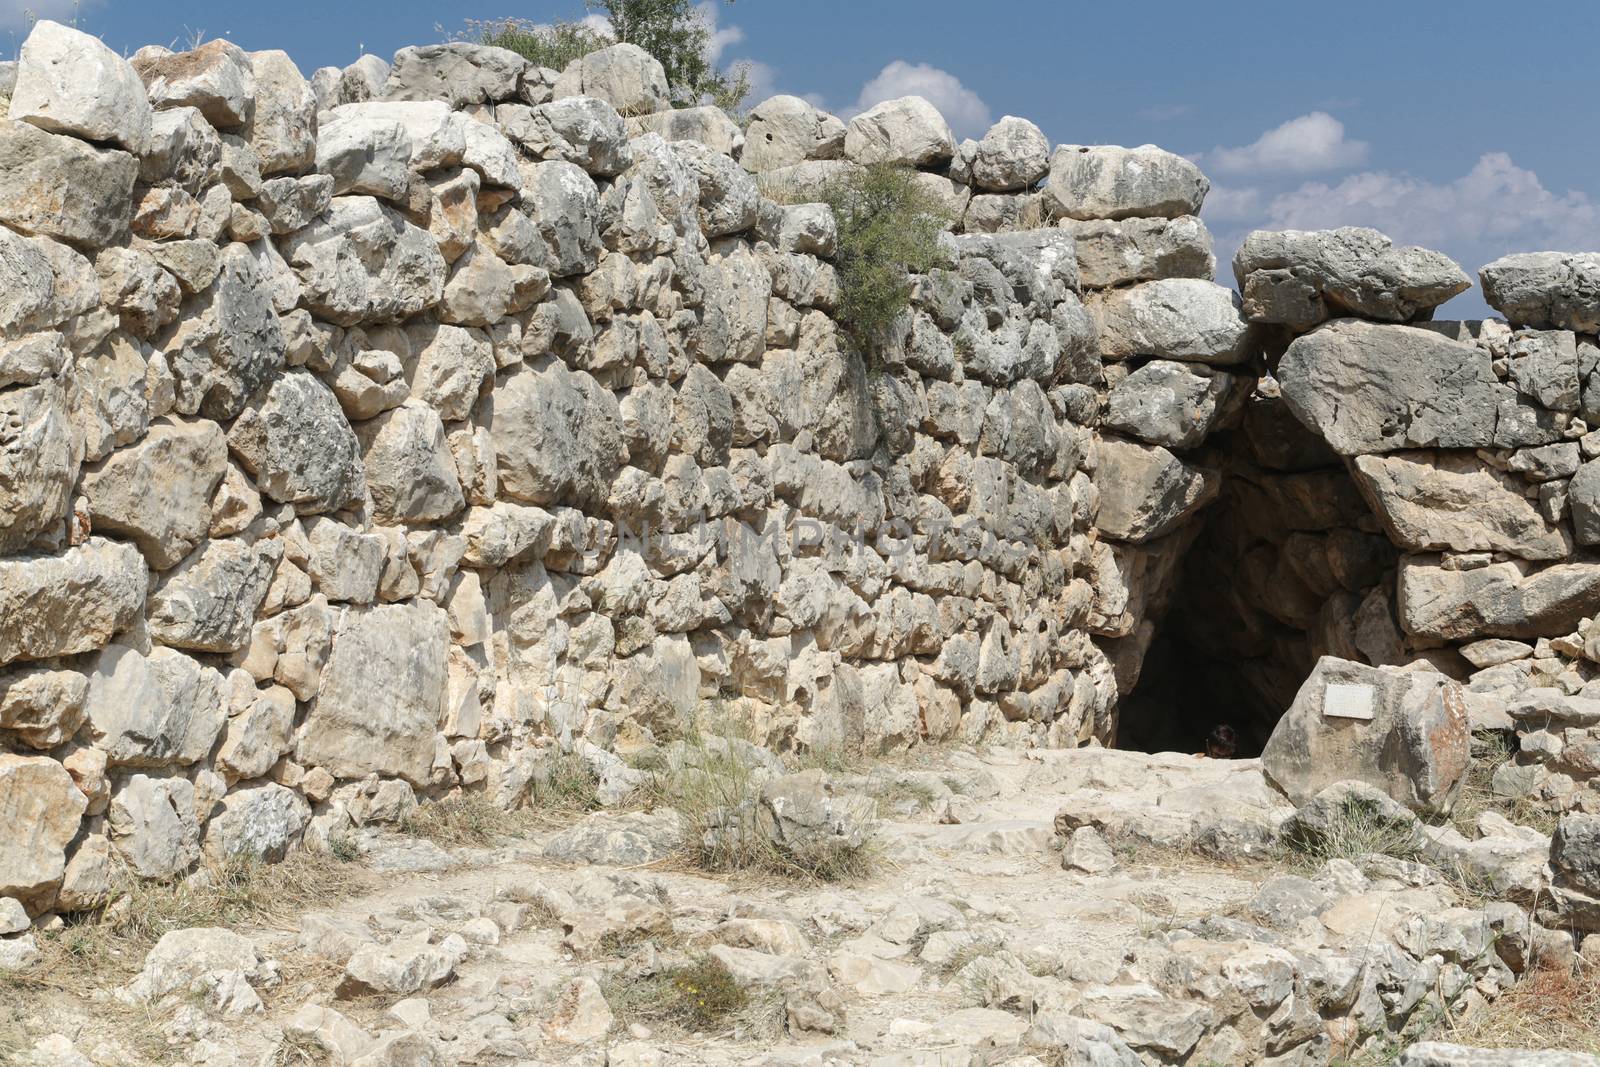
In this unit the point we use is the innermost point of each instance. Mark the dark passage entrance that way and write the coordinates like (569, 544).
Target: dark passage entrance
(1289, 565)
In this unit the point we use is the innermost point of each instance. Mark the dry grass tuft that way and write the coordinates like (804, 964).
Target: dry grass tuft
(1549, 1009)
(469, 819)
(697, 997)
(1491, 752)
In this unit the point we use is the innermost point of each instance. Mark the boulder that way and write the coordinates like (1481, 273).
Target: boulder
(71, 82)
(1167, 403)
(1299, 278)
(382, 695)
(41, 708)
(366, 156)
(1546, 290)
(38, 464)
(1368, 388)
(209, 601)
(559, 435)
(363, 262)
(402, 968)
(71, 603)
(1402, 731)
(707, 125)
(786, 130)
(203, 960)
(410, 473)
(157, 492)
(563, 201)
(216, 78)
(1146, 491)
(578, 129)
(258, 823)
(1515, 598)
(298, 447)
(728, 195)
(812, 820)
(1111, 182)
(624, 76)
(1436, 501)
(1014, 154)
(55, 185)
(1114, 253)
(154, 826)
(184, 148)
(907, 132)
(40, 810)
(1175, 318)
(156, 710)
(1583, 498)
(283, 129)
(229, 343)
(457, 72)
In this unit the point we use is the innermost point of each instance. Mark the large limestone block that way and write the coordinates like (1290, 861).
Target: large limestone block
(283, 130)
(457, 72)
(298, 447)
(1300, 278)
(707, 125)
(624, 76)
(1112, 253)
(366, 156)
(907, 132)
(1433, 501)
(363, 262)
(558, 434)
(1146, 491)
(1167, 403)
(157, 492)
(1173, 318)
(209, 601)
(1013, 155)
(1368, 388)
(438, 135)
(40, 810)
(41, 708)
(786, 130)
(58, 186)
(70, 82)
(382, 694)
(230, 342)
(1403, 731)
(1546, 290)
(258, 823)
(564, 203)
(74, 602)
(410, 472)
(38, 464)
(1515, 599)
(154, 825)
(155, 710)
(217, 79)
(580, 130)
(1112, 182)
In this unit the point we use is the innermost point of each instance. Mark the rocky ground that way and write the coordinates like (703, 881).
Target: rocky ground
(1160, 919)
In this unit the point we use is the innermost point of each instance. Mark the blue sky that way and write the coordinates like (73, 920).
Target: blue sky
(1468, 126)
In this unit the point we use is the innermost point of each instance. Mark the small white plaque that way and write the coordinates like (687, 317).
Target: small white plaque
(1344, 701)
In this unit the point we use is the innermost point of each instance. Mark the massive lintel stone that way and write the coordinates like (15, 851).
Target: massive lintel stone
(58, 186)
(1112, 182)
(40, 810)
(1367, 388)
(1175, 318)
(624, 76)
(70, 82)
(74, 602)
(1514, 599)
(456, 72)
(1112, 253)
(1546, 290)
(1400, 730)
(1300, 278)
(1433, 501)
(382, 695)
(363, 262)
(786, 130)
(908, 132)
(1146, 491)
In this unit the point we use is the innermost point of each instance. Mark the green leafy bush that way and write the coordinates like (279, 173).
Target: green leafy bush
(889, 230)
(553, 45)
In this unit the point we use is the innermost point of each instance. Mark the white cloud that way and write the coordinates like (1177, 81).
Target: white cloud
(962, 108)
(1226, 203)
(1300, 146)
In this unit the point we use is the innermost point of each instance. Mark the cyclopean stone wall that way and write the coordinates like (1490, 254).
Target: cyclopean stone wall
(381, 434)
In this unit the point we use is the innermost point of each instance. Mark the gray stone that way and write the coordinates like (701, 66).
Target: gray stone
(229, 345)
(1014, 154)
(577, 129)
(155, 710)
(38, 464)
(71, 603)
(908, 132)
(410, 473)
(1300, 278)
(708, 125)
(42, 708)
(1113, 253)
(565, 204)
(1515, 599)
(457, 72)
(1146, 491)
(1166, 403)
(1368, 388)
(58, 186)
(215, 78)
(158, 492)
(1440, 1054)
(364, 262)
(40, 810)
(1414, 748)
(559, 435)
(154, 827)
(1111, 182)
(258, 823)
(786, 130)
(298, 447)
(70, 82)
(283, 128)
(209, 601)
(1177, 318)
(1546, 290)
(624, 76)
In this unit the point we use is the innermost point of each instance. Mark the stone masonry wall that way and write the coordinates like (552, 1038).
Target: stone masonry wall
(378, 435)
